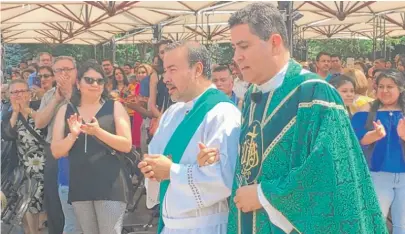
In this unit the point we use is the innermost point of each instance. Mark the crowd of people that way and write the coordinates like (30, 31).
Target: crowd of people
(205, 132)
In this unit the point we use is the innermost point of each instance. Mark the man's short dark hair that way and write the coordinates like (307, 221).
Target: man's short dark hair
(336, 56)
(264, 19)
(196, 53)
(127, 64)
(106, 59)
(221, 68)
(377, 70)
(163, 42)
(320, 54)
(381, 60)
(44, 53)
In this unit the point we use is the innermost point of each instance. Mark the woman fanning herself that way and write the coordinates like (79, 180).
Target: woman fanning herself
(122, 91)
(345, 86)
(97, 180)
(120, 85)
(380, 127)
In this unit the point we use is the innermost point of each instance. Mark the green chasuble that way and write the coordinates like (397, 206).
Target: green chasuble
(185, 131)
(298, 143)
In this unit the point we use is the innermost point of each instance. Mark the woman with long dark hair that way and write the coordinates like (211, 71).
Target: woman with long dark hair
(380, 127)
(159, 98)
(84, 130)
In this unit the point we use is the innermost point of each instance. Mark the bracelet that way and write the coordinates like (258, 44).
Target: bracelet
(71, 137)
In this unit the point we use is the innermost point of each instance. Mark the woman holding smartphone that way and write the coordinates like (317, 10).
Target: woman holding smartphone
(98, 187)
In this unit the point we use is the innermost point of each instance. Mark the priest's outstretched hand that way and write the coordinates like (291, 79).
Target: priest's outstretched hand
(156, 167)
(207, 156)
(247, 199)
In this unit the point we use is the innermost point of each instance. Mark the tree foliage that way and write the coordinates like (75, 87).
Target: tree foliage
(221, 53)
(14, 54)
(343, 47)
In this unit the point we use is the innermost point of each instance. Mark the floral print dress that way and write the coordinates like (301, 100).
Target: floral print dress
(32, 158)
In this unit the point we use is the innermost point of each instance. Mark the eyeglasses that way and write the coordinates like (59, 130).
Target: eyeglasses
(17, 92)
(65, 69)
(46, 76)
(91, 81)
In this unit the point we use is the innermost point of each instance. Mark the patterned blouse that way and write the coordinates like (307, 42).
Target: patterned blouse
(31, 156)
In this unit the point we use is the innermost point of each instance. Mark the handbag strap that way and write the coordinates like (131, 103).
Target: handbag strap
(31, 130)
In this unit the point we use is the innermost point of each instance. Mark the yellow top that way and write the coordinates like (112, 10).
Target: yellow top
(359, 102)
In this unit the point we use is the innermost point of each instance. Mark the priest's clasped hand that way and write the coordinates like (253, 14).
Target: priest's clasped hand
(156, 166)
(246, 198)
(207, 156)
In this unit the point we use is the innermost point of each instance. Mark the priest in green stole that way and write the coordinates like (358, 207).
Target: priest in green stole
(300, 167)
(192, 188)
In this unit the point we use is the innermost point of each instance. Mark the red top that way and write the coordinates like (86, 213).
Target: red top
(136, 124)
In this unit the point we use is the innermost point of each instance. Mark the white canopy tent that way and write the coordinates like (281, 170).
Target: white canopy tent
(92, 23)
(88, 23)
(320, 20)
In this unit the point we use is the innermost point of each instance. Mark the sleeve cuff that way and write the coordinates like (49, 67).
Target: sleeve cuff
(178, 174)
(275, 216)
(263, 201)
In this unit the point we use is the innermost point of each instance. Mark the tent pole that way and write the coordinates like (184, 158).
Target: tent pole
(114, 47)
(374, 37)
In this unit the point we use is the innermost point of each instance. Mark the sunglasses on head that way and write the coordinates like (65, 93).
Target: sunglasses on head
(46, 76)
(91, 81)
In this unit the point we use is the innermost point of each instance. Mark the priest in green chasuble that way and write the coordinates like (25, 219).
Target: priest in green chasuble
(300, 167)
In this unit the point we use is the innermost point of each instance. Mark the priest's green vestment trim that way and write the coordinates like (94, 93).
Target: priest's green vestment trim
(185, 131)
(298, 143)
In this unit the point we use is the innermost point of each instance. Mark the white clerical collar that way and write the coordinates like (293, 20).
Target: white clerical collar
(274, 82)
(190, 104)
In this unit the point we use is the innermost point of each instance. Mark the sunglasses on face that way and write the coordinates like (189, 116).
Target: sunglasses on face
(90, 80)
(46, 76)
(17, 92)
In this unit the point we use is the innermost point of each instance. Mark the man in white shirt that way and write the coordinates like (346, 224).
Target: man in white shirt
(192, 188)
(240, 86)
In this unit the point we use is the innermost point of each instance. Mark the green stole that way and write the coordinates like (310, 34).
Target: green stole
(185, 131)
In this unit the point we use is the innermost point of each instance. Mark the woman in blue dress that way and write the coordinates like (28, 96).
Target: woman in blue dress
(380, 128)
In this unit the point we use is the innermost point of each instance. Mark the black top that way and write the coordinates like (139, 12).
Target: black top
(163, 100)
(96, 174)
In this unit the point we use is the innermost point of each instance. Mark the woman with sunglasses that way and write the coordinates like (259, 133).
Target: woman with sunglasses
(380, 127)
(17, 126)
(98, 183)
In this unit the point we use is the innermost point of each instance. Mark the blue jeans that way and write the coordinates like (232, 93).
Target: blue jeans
(390, 189)
(71, 224)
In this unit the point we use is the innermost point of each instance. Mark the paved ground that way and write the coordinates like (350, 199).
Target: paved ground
(134, 222)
